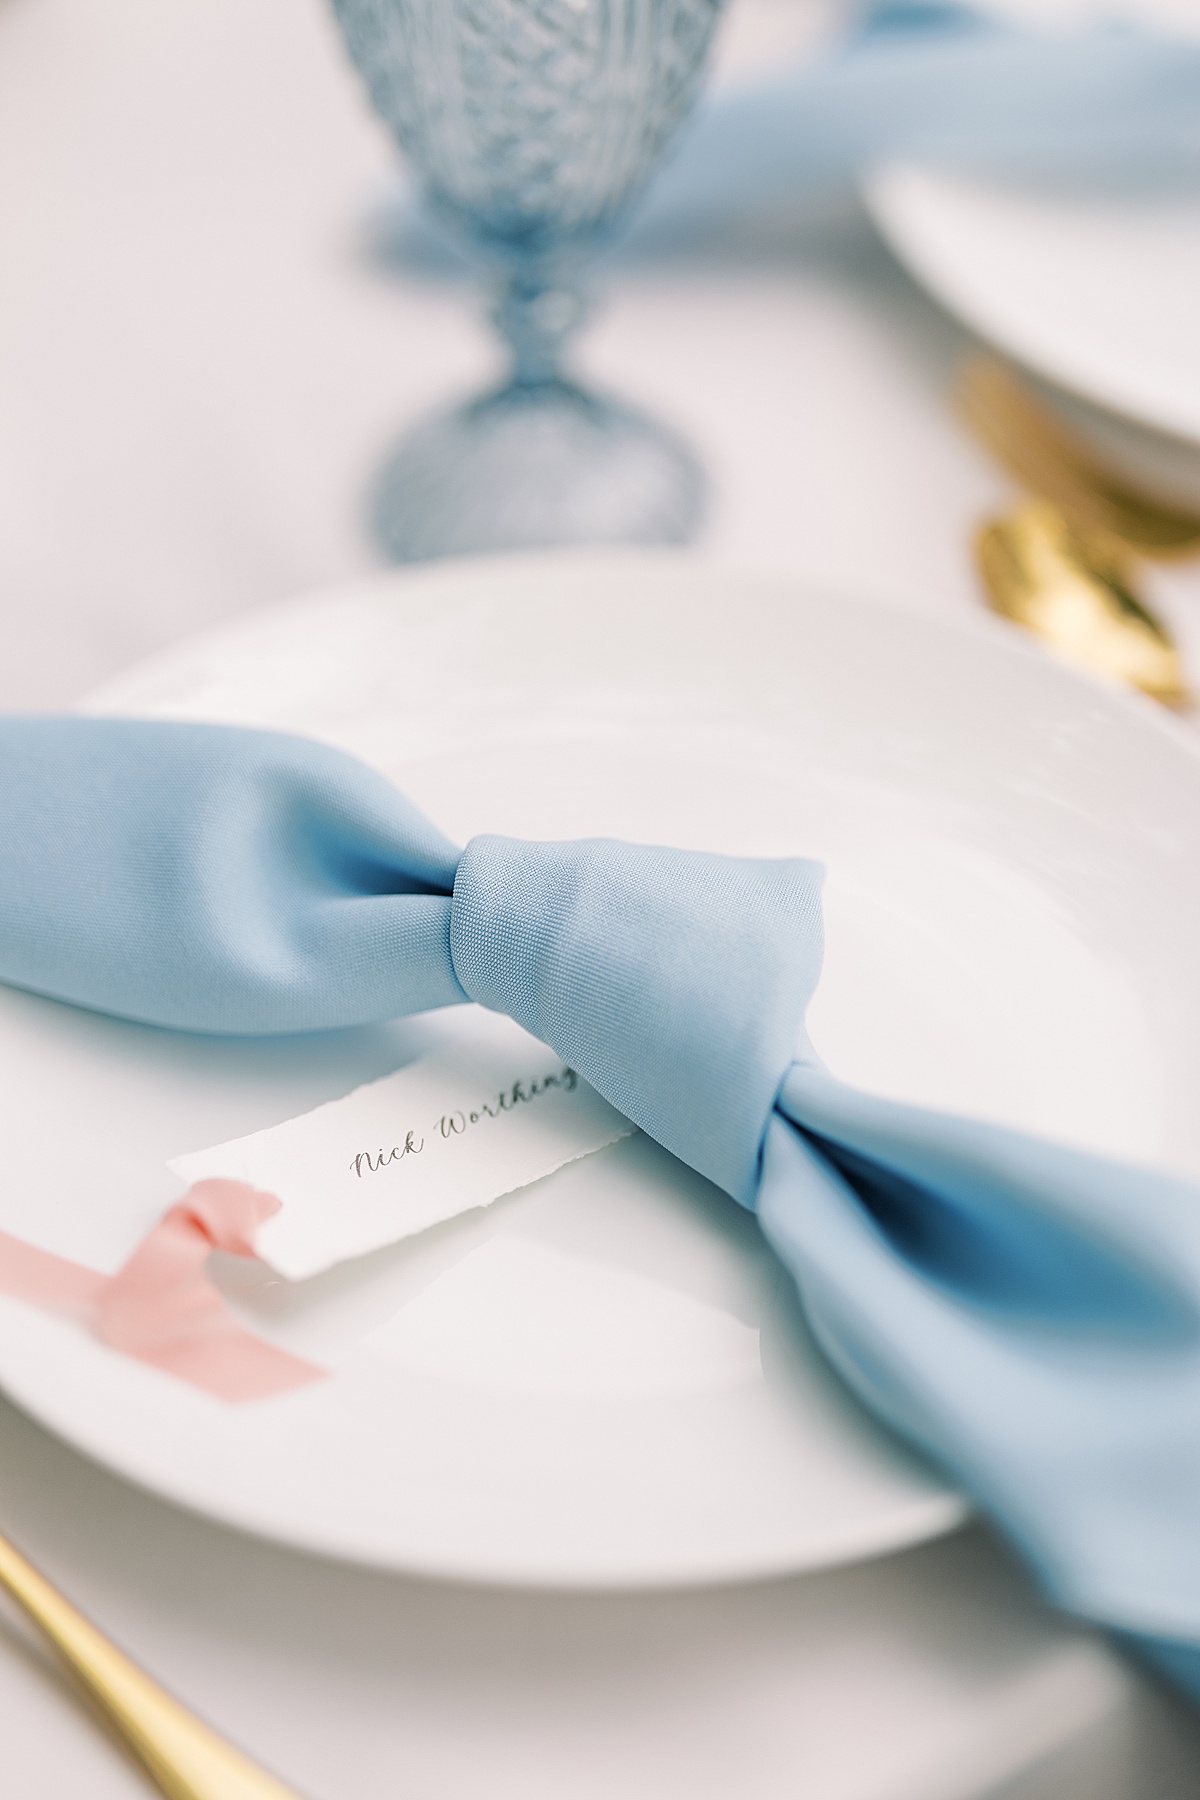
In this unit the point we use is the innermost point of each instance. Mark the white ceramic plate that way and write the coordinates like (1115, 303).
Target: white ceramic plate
(605, 1380)
(1100, 293)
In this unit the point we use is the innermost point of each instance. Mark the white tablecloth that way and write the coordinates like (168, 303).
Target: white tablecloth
(200, 364)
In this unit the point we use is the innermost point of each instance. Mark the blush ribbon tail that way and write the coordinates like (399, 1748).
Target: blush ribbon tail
(161, 1307)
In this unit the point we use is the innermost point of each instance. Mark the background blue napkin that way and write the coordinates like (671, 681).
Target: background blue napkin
(1105, 103)
(1028, 1315)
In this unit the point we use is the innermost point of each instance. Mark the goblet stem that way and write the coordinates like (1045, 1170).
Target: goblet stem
(538, 310)
(539, 461)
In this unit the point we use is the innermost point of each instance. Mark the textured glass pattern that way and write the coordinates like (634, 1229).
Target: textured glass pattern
(531, 123)
(532, 119)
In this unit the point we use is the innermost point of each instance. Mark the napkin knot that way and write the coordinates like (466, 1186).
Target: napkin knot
(675, 981)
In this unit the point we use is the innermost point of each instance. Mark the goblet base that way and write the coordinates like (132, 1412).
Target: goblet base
(535, 465)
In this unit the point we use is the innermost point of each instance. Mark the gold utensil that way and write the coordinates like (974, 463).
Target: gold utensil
(1075, 590)
(1048, 459)
(184, 1758)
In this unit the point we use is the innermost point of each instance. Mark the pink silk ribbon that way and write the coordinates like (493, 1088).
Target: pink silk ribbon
(161, 1306)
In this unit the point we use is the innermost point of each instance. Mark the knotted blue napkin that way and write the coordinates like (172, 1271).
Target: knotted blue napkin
(1027, 1315)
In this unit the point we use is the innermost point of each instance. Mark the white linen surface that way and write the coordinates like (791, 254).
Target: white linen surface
(199, 365)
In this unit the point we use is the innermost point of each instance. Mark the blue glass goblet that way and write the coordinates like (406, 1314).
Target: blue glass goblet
(532, 123)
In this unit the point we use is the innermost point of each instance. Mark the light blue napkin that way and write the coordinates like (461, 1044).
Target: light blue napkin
(942, 83)
(1028, 1315)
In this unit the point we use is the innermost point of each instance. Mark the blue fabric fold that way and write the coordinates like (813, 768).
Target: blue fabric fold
(598, 946)
(1027, 1315)
(216, 880)
(1110, 102)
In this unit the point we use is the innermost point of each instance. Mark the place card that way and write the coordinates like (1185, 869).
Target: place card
(464, 1125)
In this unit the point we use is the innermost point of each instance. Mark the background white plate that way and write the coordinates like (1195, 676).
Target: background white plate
(1099, 292)
(605, 1379)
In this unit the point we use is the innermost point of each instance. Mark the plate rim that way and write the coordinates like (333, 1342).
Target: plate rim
(982, 627)
(884, 192)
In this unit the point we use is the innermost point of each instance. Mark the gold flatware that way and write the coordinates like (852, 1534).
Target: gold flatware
(1075, 590)
(1047, 458)
(184, 1758)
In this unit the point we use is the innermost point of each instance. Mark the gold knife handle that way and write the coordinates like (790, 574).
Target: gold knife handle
(186, 1759)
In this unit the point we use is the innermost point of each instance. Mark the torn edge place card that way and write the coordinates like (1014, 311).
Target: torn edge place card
(453, 1131)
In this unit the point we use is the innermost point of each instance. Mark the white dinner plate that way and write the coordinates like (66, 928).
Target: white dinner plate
(1098, 292)
(605, 1379)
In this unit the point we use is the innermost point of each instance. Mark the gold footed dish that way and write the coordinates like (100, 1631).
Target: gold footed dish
(1029, 440)
(1075, 590)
